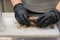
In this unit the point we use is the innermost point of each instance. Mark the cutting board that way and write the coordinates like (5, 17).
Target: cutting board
(13, 29)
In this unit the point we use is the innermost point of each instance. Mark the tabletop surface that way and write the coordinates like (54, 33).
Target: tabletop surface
(12, 28)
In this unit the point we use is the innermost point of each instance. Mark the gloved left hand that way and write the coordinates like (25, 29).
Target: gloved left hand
(48, 18)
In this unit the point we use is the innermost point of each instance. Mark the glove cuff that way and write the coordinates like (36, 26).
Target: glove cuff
(57, 14)
(17, 7)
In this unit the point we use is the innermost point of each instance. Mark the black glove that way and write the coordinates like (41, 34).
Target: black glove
(21, 14)
(48, 19)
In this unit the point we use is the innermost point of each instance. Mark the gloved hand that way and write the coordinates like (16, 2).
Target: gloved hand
(48, 18)
(21, 14)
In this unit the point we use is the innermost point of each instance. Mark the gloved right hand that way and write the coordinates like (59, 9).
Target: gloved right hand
(21, 14)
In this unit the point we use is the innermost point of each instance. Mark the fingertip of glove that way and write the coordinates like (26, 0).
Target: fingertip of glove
(28, 25)
(40, 26)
